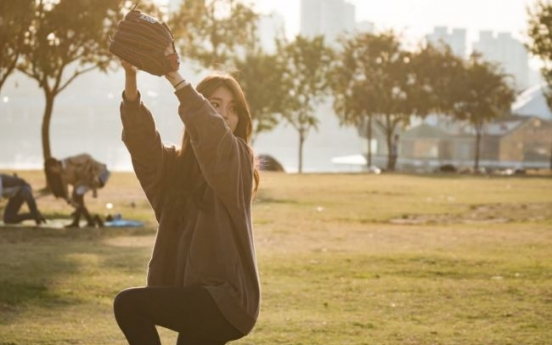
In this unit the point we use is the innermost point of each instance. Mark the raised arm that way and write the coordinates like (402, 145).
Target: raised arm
(225, 160)
(131, 84)
(148, 154)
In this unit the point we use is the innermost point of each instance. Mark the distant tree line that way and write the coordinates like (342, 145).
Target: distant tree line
(540, 43)
(372, 78)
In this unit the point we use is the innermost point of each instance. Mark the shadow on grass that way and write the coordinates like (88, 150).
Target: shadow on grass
(15, 293)
(36, 262)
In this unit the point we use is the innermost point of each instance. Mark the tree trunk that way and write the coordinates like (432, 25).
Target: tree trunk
(369, 147)
(550, 155)
(389, 139)
(46, 149)
(477, 144)
(301, 142)
(389, 162)
(389, 129)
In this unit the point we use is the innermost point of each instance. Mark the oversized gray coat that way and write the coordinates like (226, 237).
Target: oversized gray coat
(213, 248)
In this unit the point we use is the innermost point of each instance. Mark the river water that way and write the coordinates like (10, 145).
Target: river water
(86, 119)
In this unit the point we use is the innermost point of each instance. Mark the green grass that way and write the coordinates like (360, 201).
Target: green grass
(344, 259)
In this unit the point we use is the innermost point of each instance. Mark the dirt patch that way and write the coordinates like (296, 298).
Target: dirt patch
(483, 214)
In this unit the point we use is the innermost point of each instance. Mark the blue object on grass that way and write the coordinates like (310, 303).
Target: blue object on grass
(123, 223)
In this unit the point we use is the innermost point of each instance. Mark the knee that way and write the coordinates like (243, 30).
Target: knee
(124, 301)
(9, 218)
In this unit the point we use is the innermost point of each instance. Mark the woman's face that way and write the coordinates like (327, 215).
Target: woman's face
(223, 101)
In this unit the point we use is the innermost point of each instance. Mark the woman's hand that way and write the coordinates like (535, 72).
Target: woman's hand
(129, 69)
(174, 77)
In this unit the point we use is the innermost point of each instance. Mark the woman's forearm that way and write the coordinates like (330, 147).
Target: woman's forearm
(131, 86)
(176, 79)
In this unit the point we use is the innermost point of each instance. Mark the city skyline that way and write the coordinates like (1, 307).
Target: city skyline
(419, 18)
(416, 19)
(23, 104)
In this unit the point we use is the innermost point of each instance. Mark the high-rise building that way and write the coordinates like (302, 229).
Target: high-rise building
(329, 18)
(456, 39)
(365, 27)
(270, 27)
(508, 52)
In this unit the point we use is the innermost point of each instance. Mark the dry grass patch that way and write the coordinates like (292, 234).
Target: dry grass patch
(335, 268)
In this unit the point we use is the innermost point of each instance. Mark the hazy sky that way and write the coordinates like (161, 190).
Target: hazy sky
(418, 17)
(415, 18)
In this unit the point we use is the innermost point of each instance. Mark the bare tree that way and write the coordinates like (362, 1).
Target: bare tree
(540, 43)
(371, 83)
(211, 31)
(306, 63)
(482, 93)
(15, 17)
(260, 75)
(65, 40)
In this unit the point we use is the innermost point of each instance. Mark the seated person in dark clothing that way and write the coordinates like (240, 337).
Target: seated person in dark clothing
(83, 173)
(18, 191)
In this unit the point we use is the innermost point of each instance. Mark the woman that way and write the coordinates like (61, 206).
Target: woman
(83, 173)
(202, 278)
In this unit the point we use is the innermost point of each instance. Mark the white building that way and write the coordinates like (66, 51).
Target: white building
(365, 27)
(270, 27)
(456, 39)
(507, 51)
(329, 18)
(532, 102)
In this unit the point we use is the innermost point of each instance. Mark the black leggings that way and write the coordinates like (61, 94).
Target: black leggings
(191, 311)
(80, 209)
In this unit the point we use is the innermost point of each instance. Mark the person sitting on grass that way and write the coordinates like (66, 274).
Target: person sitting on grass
(18, 191)
(83, 173)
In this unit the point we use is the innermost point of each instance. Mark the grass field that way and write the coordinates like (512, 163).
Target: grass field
(344, 259)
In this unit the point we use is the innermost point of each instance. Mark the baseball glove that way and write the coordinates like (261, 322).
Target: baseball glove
(142, 41)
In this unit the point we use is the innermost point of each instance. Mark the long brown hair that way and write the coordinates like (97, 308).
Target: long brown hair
(244, 128)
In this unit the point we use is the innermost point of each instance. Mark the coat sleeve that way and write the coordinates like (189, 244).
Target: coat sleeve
(225, 160)
(148, 154)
